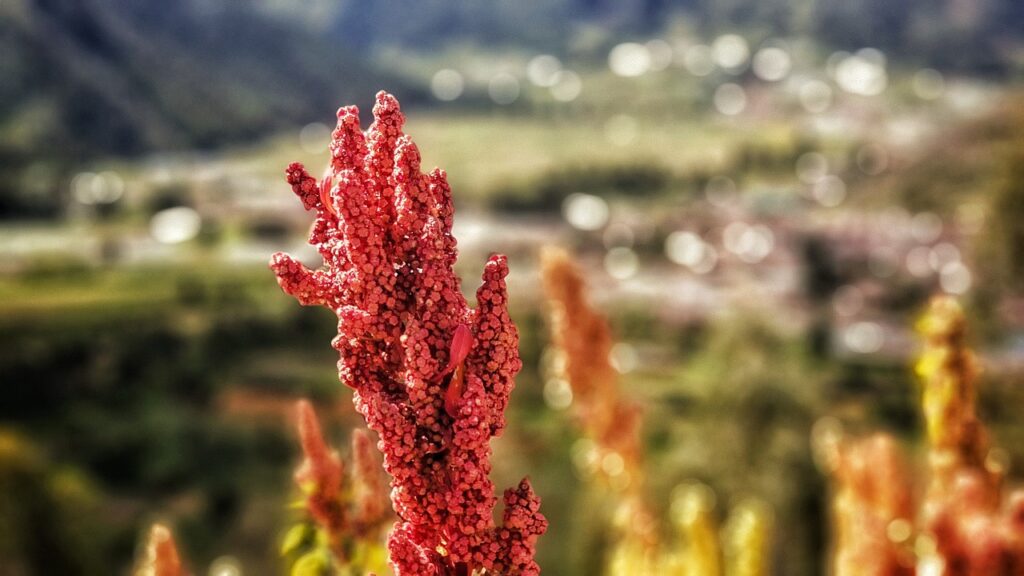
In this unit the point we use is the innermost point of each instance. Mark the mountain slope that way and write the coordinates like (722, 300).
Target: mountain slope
(95, 77)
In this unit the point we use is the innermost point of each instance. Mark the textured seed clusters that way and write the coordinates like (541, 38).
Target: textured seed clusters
(977, 528)
(948, 370)
(872, 503)
(967, 523)
(583, 342)
(349, 508)
(383, 229)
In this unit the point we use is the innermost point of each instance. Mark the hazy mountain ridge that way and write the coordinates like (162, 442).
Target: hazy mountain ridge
(93, 78)
(122, 77)
(968, 35)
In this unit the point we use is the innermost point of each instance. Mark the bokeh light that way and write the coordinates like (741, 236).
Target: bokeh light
(863, 73)
(567, 86)
(503, 88)
(629, 59)
(829, 191)
(955, 278)
(621, 263)
(730, 99)
(688, 249)
(751, 244)
(542, 69)
(772, 63)
(815, 96)
(447, 85)
(314, 137)
(175, 225)
(558, 393)
(225, 566)
(89, 188)
(731, 52)
(623, 357)
(585, 211)
(660, 54)
(864, 337)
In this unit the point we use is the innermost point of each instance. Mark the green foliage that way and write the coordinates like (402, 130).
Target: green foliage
(297, 537)
(314, 563)
(1005, 230)
(305, 548)
(48, 516)
(546, 192)
(967, 164)
(743, 406)
(126, 374)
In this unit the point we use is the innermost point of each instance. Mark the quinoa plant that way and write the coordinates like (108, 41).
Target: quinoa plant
(348, 508)
(430, 375)
(966, 523)
(582, 340)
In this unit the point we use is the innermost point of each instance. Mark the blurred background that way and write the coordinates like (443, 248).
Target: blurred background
(764, 194)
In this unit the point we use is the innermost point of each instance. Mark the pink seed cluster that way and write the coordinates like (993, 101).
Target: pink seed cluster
(873, 496)
(974, 535)
(430, 375)
(967, 523)
(321, 477)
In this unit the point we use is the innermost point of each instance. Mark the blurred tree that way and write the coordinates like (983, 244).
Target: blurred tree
(821, 276)
(1000, 249)
(761, 391)
(47, 517)
(1004, 234)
